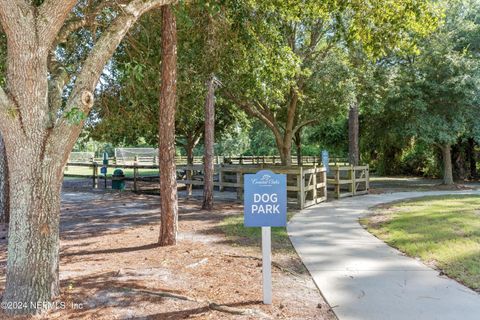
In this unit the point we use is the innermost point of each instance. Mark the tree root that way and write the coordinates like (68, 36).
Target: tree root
(170, 295)
(210, 304)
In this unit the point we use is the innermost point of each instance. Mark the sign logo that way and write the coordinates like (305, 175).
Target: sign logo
(265, 203)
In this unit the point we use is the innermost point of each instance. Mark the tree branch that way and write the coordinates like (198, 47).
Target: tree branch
(52, 16)
(15, 15)
(89, 19)
(92, 69)
(303, 124)
(250, 110)
(87, 78)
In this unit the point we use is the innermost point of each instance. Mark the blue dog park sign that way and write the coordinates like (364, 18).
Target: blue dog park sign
(265, 199)
(265, 205)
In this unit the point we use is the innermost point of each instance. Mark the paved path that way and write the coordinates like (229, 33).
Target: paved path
(363, 278)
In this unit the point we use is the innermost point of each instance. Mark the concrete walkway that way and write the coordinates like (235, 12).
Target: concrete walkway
(363, 278)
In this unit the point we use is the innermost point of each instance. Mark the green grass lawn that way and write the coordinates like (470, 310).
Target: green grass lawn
(235, 230)
(86, 171)
(441, 231)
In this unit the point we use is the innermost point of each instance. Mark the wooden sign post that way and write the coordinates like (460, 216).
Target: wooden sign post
(265, 205)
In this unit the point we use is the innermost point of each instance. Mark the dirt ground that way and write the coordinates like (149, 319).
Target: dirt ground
(111, 267)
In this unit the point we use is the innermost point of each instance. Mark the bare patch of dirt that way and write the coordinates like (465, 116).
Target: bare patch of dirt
(375, 220)
(112, 268)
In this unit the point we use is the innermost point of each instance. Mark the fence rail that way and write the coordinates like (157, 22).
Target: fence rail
(306, 185)
(248, 160)
(349, 181)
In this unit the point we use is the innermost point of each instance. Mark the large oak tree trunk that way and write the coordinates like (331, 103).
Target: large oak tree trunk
(353, 132)
(35, 177)
(447, 165)
(4, 187)
(209, 140)
(39, 131)
(166, 144)
(285, 153)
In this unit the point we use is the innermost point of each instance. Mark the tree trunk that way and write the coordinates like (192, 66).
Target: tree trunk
(166, 144)
(189, 150)
(39, 132)
(458, 165)
(33, 244)
(447, 165)
(283, 148)
(353, 132)
(209, 144)
(298, 144)
(286, 155)
(4, 188)
(472, 158)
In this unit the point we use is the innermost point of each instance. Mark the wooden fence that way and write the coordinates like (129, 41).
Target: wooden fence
(348, 181)
(248, 160)
(306, 185)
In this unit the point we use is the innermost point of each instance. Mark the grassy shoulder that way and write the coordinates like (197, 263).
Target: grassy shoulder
(247, 236)
(443, 232)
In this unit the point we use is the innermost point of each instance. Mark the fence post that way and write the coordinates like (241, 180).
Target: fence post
(220, 178)
(239, 186)
(337, 180)
(301, 189)
(367, 178)
(95, 174)
(352, 179)
(189, 173)
(314, 183)
(325, 187)
(135, 176)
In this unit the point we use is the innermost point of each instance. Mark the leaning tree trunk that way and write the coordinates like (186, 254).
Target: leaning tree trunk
(166, 132)
(209, 139)
(4, 188)
(353, 133)
(447, 165)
